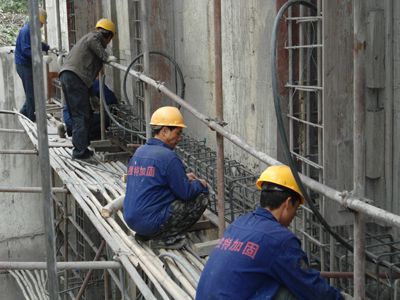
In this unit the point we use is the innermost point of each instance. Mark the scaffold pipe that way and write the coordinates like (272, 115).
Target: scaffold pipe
(69, 265)
(344, 198)
(31, 190)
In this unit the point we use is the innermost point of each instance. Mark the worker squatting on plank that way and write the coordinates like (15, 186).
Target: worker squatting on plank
(77, 74)
(161, 200)
(259, 257)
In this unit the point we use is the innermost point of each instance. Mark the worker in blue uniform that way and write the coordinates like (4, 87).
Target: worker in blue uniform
(23, 63)
(95, 126)
(259, 257)
(162, 201)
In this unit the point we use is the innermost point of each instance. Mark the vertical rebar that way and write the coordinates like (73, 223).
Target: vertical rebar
(89, 274)
(332, 257)
(66, 280)
(359, 143)
(146, 65)
(320, 131)
(102, 113)
(41, 120)
(389, 104)
(219, 111)
(122, 281)
(106, 285)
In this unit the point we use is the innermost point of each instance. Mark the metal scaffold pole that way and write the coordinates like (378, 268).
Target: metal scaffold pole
(59, 39)
(102, 112)
(146, 66)
(41, 119)
(219, 109)
(359, 144)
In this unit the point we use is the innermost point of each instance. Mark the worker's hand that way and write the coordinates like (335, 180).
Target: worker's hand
(346, 296)
(54, 50)
(45, 47)
(111, 58)
(191, 176)
(203, 182)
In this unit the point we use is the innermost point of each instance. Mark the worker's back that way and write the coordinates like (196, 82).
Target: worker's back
(86, 57)
(257, 255)
(237, 267)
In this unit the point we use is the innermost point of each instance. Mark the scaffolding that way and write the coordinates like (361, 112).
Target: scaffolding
(147, 269)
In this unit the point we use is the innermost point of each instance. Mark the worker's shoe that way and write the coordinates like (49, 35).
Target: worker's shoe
(86, 155)
(141, 238)
(176, 242)
(61, 130)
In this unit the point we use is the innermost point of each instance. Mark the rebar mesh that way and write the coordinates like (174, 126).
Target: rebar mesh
(241, 195)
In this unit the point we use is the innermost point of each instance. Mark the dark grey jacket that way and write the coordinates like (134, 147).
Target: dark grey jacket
(86, 57)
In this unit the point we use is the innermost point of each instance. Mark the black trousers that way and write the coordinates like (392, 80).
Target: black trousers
(26, 75)
(77, 99)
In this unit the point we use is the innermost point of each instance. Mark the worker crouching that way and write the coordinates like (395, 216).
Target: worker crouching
(162, 201)
(259, 257)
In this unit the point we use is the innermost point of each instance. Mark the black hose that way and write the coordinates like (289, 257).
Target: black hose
(139, 133)
(177, 68)
(281, 127)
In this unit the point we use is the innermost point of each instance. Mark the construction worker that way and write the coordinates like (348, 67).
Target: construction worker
(79, 70)
(23, 62)
(258, 257)
(162, 201)
(95, 126)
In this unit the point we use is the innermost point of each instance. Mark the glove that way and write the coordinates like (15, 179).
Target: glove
(45, 47)
(47, 59)
(111, 58)
(54, 50)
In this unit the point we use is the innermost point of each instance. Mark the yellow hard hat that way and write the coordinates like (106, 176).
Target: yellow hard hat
(280, 175)
(167, 116)
(42, 16)
(107, 25)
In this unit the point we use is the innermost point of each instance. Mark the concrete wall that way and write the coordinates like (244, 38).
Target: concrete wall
(21, 218)
(381, 97)
(396, 106)
(248, 108)
(52, 19)
(338, 101)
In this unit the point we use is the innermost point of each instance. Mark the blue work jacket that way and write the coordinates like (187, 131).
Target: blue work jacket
(109, 96)
(255, 257)
(23, 53)
(156, 177)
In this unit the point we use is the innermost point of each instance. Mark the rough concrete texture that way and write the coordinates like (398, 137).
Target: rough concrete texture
(52, 37)
(338, 101)
(248, 101)
(21, 218)
(396, 106)
(248, 108)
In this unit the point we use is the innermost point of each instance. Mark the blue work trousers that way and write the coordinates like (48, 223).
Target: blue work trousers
(77, 99)
(25, 73)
